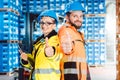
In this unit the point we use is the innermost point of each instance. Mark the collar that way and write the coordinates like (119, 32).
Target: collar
(52, 33)
(70, 26)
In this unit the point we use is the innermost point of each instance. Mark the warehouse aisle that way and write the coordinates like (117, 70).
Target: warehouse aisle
(107, 72)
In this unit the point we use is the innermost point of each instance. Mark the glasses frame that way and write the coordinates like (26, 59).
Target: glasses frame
(46, 23)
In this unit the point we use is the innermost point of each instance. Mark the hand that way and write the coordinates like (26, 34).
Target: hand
(23, 55)
(66, 46)
(66, 43)
(49, 51)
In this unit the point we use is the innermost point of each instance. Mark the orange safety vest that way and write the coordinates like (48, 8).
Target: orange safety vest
(73, 65)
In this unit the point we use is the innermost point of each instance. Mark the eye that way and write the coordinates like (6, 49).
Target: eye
(46, 23)
(81, 16)
(49, 23)
(75, 16)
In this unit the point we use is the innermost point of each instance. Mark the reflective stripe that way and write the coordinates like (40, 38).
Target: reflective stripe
(76, 59)
(58, 58)
(71, 71)
(74, 71)
(46, 71)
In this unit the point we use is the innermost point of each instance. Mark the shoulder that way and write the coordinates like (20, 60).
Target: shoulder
(81, 33)
(38, 40)
(63, 28)
(53, 38)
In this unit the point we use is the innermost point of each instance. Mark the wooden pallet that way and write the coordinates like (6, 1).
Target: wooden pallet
(10, 41)
(7, 73)
(96, 65)
(9, 10)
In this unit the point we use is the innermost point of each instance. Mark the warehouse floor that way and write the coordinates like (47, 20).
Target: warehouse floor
(106, 72)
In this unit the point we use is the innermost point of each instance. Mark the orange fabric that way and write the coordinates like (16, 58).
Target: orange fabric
(78, 51)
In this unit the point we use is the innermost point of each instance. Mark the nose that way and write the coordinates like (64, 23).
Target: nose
(43, 26)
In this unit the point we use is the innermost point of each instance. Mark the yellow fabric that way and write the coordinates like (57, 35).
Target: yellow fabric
(44, 63)
(77, 54)
(29, 63)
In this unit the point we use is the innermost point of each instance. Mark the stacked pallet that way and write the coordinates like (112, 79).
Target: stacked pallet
(94, 31)
(9, 14)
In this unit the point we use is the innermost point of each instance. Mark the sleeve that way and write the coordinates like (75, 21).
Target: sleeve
(66, 40)
(54, 42)
(83, 70)
(30, 63)
(83, 64)
(27, 64)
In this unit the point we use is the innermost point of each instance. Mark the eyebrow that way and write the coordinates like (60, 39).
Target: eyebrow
(52, 20)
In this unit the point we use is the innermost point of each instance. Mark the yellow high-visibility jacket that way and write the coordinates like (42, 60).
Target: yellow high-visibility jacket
(73, 65)
(45, 68)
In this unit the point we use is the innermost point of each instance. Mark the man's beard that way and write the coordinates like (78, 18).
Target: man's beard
(76, 26)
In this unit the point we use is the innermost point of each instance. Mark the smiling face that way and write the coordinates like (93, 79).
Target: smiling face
(75, 18)
(47, 24)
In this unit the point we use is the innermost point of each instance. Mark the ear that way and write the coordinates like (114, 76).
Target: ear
(54, 26)
(67, 18)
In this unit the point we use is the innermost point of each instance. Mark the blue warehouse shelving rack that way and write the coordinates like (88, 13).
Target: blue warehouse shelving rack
(94, 30)
(10, 10)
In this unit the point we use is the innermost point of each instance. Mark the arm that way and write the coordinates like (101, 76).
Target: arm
(66, 42)
(53, 43)
(26, 59)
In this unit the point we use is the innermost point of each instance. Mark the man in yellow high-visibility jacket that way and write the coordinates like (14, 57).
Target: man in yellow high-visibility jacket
(45, 58)
(73, 64)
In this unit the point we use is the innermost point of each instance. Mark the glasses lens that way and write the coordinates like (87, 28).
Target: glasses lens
(46, 23)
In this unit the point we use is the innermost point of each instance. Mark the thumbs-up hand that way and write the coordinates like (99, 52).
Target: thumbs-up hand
(66, 43)
(23, 55)
(49, 51)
